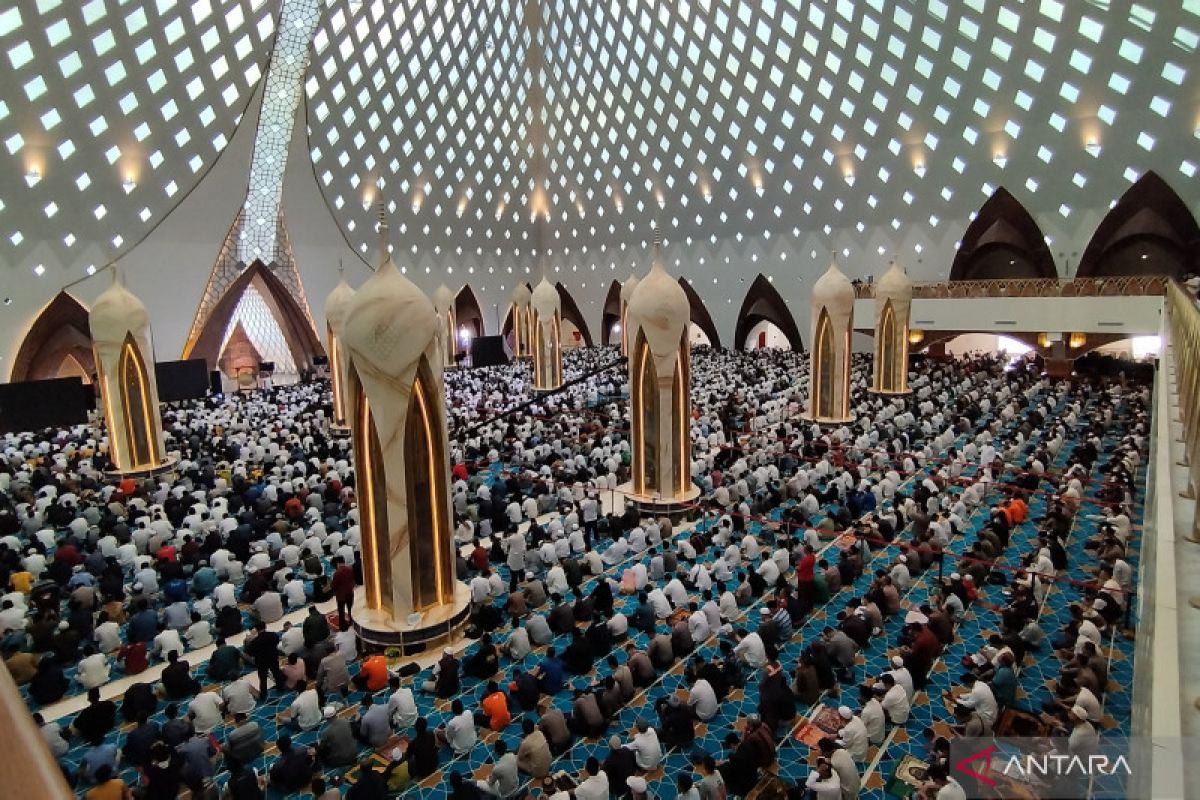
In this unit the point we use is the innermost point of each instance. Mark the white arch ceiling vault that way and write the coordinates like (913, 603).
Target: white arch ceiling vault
(760, 134)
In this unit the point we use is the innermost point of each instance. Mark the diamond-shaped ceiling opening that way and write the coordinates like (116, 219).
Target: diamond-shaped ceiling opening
(112, 112)
(720, 117)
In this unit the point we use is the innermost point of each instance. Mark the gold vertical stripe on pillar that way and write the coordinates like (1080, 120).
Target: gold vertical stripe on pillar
(141, 443)
(372, 493)
(430, 567)
(823, 368)
(680, 430)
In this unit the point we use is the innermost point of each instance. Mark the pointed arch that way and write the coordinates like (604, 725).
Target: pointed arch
(1150, 231)
(888, 349)
(71, 368)
(570, 312)
(611, 314)
(699, 314)
(1003, 241)
(294, 323)
(762, 302)
(468, 312)
(60, 329)
(431, 562)
(645, 416)
(141, 444)
(371, 485)
(824, 367)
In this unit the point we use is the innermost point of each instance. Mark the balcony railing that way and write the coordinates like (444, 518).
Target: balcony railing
(1117, 286)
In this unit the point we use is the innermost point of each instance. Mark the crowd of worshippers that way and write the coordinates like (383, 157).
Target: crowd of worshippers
(262, 515)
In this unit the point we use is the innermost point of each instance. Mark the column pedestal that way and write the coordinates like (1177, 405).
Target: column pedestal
(378, 630)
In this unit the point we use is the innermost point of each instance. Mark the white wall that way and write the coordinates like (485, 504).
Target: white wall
(775, 337)
(1132, 315)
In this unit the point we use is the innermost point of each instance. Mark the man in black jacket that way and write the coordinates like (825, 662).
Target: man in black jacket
(263, 650)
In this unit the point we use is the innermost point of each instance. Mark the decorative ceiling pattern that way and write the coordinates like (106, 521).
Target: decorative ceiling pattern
(731, 118)
(111, 112)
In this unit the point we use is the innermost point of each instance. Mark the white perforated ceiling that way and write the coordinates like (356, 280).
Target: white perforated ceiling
(724, 118)
(110, 112)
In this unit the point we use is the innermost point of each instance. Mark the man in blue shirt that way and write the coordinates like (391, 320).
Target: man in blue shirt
(550, 673)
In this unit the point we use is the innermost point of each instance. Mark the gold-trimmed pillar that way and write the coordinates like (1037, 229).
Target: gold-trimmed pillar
(626, 292)
(657, 318)
(829, 358)
(335, 321)
(443, 303)
(893, 311)
(123, 347)
(522, 316)
(546, 343)
(398, 423)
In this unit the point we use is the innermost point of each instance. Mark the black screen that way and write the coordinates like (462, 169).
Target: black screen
(182, 380)
(35, 405)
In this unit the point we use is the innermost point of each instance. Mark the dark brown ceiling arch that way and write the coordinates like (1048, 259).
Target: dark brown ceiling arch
(467, 310)
(1150, 231)
(571, 311)
(1003, 241)
(612, 312)
(293, 322)
(700, 315)
(61, 329)
(762, 302)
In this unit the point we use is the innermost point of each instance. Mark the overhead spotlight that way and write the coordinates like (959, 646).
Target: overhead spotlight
(919, 169)
(128, 185)
(1093, 147)
(32, 177)
(1000, 159)
(849, 178)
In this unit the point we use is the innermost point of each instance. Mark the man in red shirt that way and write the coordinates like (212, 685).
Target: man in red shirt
(343, 591)
(806, 579)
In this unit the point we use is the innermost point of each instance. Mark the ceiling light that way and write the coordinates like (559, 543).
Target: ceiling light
(1093, 147)
(128, 185)
(919, 169)
(849, 178)
(32, 177)
(1000, 160)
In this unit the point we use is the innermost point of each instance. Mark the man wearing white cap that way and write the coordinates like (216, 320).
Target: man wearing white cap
(853, 735)
(638, 788)
(903, 676)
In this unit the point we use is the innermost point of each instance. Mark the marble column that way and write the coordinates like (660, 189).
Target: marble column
(626, 292)
(547, 348)
(522, 316)
(124, 350)
(893, 305)
(443, 303)
(658, 315)
(335, 321)
(829, 358)
(398, 422)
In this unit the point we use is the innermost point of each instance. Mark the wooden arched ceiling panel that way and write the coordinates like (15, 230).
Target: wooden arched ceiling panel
(59, 330)
(700, 315)
(1003, 241)
(762, 302)
(1150, 231)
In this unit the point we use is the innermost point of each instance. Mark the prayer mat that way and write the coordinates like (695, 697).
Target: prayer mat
(907, 777)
